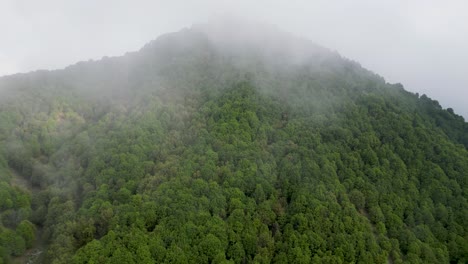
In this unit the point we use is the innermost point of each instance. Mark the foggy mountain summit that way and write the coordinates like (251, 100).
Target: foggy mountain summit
(243, 42)
(228, 143)
(221, 47)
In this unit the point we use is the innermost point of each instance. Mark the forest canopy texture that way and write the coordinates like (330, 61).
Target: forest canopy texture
(222, 144)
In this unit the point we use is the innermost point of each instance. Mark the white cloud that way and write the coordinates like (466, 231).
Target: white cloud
(7, 66)
(420, 43)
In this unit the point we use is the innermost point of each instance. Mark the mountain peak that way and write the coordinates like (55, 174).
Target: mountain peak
(243, 34)
(229, 142)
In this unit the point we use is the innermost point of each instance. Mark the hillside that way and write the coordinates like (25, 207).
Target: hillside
(229, 144)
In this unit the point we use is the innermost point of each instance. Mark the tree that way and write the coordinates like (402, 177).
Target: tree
(27, 231)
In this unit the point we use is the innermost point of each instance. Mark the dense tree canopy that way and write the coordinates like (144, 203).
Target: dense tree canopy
(185, 152)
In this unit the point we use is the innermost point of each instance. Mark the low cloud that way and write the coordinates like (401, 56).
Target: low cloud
(421, 44)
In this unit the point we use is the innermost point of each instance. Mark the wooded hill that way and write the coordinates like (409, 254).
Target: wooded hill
(213, 145)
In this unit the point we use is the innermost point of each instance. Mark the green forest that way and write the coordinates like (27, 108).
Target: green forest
(193, 151)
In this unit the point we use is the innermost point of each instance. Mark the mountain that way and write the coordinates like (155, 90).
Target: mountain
(228, 142)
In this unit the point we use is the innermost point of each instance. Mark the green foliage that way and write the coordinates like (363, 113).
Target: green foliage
(27, 231)
(179, 154)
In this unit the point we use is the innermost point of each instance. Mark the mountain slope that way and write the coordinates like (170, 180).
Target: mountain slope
(246, 146)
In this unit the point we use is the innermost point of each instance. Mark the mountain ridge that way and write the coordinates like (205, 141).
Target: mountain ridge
(196, 151)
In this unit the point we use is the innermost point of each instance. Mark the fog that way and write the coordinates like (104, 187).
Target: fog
(421, 44)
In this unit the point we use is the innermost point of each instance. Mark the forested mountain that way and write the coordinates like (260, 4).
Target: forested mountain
(228, 144)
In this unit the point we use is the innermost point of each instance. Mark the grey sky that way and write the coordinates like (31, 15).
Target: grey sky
(422, 44)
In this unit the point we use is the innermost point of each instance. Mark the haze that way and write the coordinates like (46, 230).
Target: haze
(421, 44)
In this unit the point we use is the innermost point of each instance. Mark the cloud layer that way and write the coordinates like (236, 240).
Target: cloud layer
(421, 44)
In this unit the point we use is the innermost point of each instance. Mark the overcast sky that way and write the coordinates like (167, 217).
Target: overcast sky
(422, 44)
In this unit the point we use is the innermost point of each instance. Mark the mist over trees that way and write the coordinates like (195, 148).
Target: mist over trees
(211, 145)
